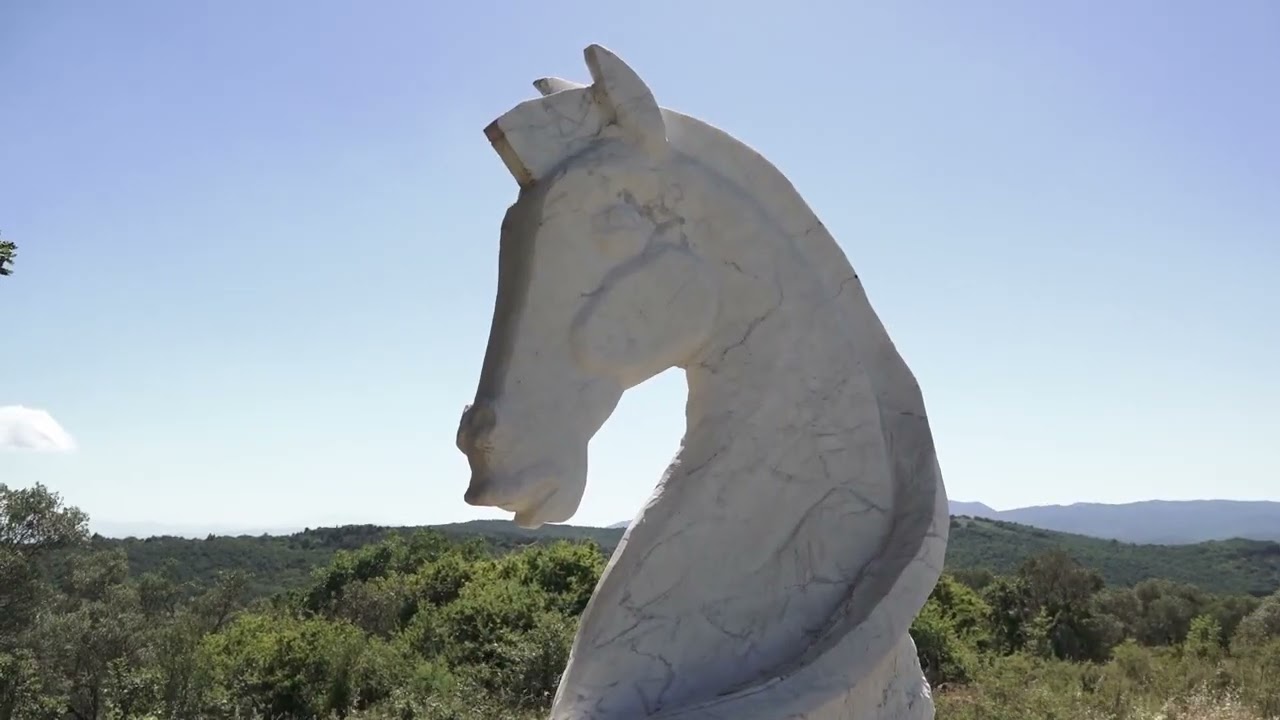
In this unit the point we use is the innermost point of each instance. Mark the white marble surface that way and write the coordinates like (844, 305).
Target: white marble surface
(776, 569)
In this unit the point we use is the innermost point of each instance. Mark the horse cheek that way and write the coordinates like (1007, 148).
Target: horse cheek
(653, 316)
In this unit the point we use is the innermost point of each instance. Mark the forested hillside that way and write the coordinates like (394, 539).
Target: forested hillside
(277, 563)
(426, 625)
(1226, 566)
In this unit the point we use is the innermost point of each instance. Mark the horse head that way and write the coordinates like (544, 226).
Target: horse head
(600, 287)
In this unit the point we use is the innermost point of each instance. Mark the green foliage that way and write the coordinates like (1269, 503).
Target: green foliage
(33, 524)
(568, 572)
(951, 631)
(437, 625)
(1260, 626)
(1259, 666)
(1204, 639)
(34, 521)
(1229, 567)
(269, 665)
(977, 551)
(8, 251)
(944, 655)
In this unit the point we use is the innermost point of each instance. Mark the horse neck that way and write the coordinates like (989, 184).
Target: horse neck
(782, 335)
(734, 554)
(770, 358)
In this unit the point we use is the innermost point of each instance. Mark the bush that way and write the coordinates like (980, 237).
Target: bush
(1259, 626)
(1204, 639)
(282, 666)
(944, 656)
(950, 631)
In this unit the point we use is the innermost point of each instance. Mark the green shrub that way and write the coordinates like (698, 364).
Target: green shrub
(282, 666)
(944, 655)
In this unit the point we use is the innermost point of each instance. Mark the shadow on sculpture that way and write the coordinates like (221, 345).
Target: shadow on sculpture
(777, 567)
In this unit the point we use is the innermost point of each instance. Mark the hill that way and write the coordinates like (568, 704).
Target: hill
(1224, 566)
(973, 509)
(286, 561)
(1165, 522)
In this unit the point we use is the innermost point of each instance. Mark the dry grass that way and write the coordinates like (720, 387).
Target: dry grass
(1140, 684)
(1205, 706)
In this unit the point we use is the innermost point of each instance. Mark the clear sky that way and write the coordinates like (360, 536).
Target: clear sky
(259, 240)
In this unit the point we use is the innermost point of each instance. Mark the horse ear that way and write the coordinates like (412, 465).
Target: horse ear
(550, 85)
(627, 97)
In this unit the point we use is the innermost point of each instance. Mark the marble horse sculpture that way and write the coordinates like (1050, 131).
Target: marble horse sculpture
(777, 567)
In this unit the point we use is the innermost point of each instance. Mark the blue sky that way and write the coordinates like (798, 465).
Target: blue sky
(259, 240)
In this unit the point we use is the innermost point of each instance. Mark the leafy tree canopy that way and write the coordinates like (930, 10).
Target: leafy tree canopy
(8, 251)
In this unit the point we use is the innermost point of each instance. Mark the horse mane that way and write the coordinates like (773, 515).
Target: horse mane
(739, 164)
(890, 583)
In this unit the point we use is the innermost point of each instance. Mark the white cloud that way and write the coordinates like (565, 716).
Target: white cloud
(23, 428)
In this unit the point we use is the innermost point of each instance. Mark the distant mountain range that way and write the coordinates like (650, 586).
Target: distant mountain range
(1162, 522)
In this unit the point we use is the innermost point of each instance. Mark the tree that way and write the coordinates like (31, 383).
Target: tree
(1260, 626)
(1011, 612)
(8, 251)
(282, 666)
(950, 631)
(1230, 610)
(33, 523)
(1048, 607)
(95, 639)
(1204, 639)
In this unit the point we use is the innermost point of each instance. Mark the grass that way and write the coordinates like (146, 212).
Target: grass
(1138, 684)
